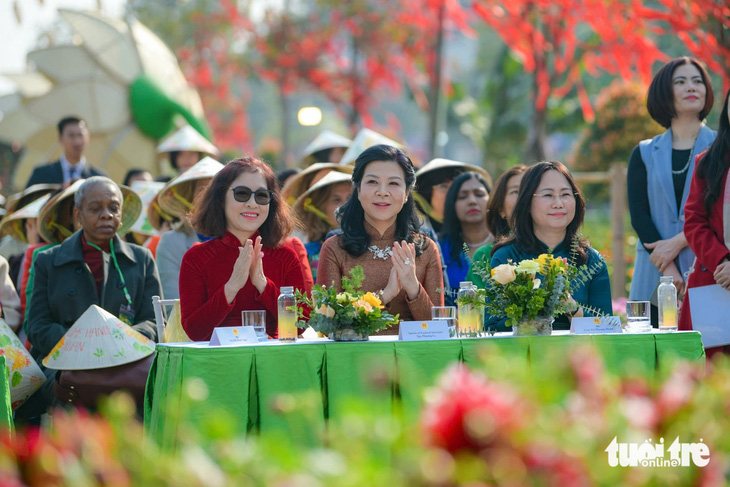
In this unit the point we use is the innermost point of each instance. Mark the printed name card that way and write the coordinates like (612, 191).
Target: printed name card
(233, 335)
(596, 326)
(412, 331)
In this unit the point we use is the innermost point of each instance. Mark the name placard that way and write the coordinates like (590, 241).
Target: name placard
(233, 335)
(595, 326)
(412, 331)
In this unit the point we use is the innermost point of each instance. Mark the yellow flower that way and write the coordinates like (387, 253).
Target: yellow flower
(544, 260)
(362, 304)
(372, 299)
(326, 310)
(503, 274)
(528, 267)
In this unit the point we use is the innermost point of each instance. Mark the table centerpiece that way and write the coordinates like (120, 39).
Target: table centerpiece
(533, 292)
(349, 315)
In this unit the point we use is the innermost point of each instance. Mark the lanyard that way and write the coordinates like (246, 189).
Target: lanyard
(116, 264)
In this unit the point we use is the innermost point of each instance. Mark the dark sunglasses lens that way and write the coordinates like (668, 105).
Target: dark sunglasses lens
(241, 194)
(262, 197)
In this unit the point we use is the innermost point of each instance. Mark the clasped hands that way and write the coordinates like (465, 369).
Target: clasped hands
(248, 265)
(403, 273)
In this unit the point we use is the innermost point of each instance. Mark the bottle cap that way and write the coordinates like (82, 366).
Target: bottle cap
(465, 284)
(287, 289)
(666, 279)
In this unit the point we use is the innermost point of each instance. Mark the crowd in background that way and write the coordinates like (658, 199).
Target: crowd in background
(223, 238)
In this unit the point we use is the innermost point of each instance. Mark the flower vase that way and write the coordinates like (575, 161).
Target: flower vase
(539, 326)
(349, 335)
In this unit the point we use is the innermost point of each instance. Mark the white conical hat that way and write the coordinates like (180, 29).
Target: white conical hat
(14, 224)
(146, 190)
(97, 340)
(439, 163)
(365, 138)
(187, 138)
(300, 182)
(24, 373)
(333, 177)
(326, 140)
(176, 198)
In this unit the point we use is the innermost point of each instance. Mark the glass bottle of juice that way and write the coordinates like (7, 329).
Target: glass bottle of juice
(287, 315)
(471, 317)
(667, 297)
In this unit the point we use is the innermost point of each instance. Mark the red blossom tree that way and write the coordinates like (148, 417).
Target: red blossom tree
(558, 41)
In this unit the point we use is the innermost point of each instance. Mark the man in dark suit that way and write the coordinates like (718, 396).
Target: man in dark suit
(73, 137)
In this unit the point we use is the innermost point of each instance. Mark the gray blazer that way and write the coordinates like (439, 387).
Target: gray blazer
(63, 288)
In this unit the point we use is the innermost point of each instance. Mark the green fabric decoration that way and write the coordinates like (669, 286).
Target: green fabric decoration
(154, 112)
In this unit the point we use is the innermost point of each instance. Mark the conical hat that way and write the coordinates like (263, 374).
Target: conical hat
(187, 138)
(14, 224)
(97, 340)
(365, 138)
(24, 373)
(56, 217)
(156, 215)
(330, 178)
(438, 164)
(326, 140)
(146, 190)
(298, 184)
(176, 198)
(28, 195)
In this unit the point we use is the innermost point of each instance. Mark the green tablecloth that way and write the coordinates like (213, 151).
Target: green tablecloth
(251, 383)
(6, 411)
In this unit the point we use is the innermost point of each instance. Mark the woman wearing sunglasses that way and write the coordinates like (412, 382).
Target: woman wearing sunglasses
(380, 232)
(547, 215)
(246, 264)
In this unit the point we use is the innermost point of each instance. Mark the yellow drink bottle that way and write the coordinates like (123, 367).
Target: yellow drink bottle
(287, 315)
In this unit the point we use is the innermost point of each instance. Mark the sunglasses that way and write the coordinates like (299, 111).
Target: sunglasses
(243, 193)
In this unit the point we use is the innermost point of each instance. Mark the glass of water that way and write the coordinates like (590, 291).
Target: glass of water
(447, 314)
(637, 317)
(257, 319)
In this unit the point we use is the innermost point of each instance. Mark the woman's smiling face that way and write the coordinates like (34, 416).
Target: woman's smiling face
(246, 217)
(382, 192)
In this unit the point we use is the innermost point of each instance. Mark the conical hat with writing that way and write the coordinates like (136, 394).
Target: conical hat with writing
(24, 373)
(176, 198)
(97, 340)
(364, 139)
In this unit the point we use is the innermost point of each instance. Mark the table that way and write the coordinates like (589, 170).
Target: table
(6, 411)
(241, 383)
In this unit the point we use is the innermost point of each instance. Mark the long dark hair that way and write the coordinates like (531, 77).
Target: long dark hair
(521, 220)
(660, 100)
(452, 224)
(497, 225)
(209, 216)
(354, 239)
(715, 161)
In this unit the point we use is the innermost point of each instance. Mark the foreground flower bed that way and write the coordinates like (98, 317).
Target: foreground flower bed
(492, 426)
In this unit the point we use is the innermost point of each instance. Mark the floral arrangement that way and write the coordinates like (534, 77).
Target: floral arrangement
(350, 309)
(533, 288)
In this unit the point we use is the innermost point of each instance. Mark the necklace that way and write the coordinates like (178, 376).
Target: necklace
(689, 159)
(483, 242)
(379, 253)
